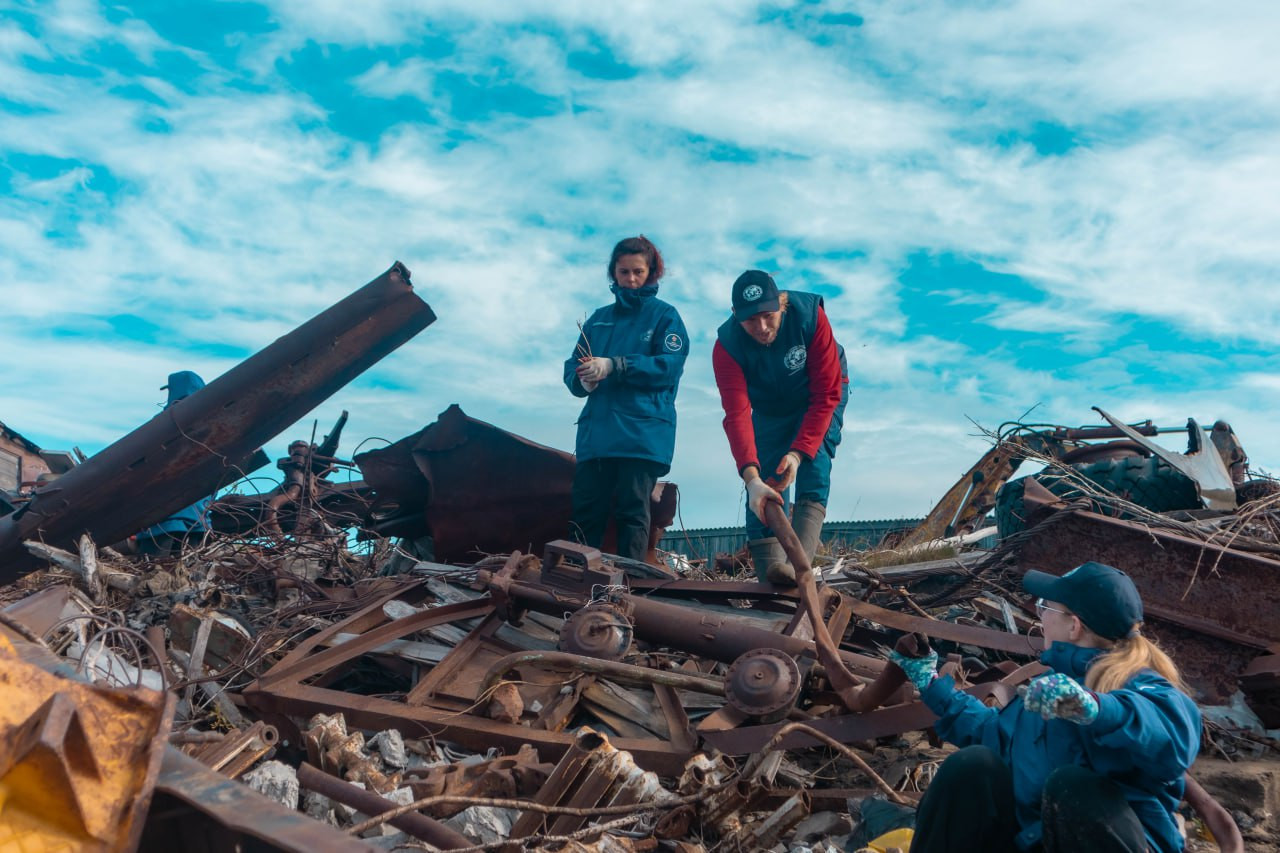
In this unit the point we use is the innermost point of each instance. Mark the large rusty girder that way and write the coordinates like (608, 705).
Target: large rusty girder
(185, 451)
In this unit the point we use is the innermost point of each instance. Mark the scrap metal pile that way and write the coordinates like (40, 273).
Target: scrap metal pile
(416, 659)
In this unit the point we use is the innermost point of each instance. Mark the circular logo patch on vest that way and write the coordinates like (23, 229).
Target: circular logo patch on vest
(672, 343)
(752, 292)
(795, 357)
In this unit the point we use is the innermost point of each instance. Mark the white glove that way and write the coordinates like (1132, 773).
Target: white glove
(758, 494)
(787, 470)
(594, 370)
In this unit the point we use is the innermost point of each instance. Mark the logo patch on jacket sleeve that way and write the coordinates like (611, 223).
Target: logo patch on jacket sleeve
(673, 343)
(795, 357)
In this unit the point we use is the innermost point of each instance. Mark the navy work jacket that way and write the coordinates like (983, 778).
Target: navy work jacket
(632, 413)
(1145, 737)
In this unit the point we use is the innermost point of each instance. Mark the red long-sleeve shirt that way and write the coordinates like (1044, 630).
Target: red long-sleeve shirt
(825, 387)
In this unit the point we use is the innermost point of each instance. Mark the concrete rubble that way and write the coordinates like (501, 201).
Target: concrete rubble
(398, 650)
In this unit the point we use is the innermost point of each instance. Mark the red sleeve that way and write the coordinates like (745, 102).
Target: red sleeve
(825, 386)
(732, 383)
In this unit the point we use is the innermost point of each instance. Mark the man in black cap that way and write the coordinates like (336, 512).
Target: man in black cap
(783, 383)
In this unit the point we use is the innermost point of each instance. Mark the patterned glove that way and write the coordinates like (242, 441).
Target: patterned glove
(1058, 695)
(920, 670)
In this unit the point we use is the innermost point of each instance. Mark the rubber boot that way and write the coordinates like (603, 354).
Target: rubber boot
(770, 561)
(806, 521)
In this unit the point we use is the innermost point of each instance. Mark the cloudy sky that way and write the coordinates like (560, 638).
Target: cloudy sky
(1009, 206)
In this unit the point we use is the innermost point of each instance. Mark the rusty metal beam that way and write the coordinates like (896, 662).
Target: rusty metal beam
(183, 452)
(197, 808)
(971, 635)
(851, 728)
(1212, 607)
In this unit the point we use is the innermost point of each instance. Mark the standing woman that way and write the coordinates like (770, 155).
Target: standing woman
(627, 363)
(1091, 757)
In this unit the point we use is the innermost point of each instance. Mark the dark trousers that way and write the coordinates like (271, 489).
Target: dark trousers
(969, 808)
(623, 486)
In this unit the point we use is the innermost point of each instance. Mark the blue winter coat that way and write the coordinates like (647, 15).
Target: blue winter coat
(1146, 736)
(181, 385)
(632, 413)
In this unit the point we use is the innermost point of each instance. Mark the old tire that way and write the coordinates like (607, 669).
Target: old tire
(1148, 482)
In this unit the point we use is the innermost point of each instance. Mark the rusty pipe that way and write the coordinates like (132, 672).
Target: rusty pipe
(416, 824)
(843, 682)
(710, 635)
(1218, 819)
(891, 678)
(616, 669)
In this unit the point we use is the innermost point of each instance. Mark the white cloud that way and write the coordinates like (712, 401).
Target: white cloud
(246, 209)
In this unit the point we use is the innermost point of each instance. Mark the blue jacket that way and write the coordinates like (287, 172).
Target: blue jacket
(632, 413)
(181, 385)
(1145, 737)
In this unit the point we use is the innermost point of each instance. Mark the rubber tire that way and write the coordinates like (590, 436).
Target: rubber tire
(1148, 482)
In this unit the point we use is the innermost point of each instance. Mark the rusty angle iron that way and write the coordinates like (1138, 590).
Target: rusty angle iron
(185, 451)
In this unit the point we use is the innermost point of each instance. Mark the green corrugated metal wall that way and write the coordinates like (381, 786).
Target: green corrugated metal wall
(706, 542)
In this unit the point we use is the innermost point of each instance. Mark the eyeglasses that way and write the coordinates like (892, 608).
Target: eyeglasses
(1041, 607)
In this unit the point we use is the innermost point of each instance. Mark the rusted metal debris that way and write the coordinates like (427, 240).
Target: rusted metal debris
(563, 695)
(190, 448)
(476, 489)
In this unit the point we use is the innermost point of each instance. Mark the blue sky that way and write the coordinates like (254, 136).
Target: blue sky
(1006, 205)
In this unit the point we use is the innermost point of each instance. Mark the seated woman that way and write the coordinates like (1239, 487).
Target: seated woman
(1090, 757)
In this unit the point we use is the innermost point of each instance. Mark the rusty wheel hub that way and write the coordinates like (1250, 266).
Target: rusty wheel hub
(763, 683)
(599, 630)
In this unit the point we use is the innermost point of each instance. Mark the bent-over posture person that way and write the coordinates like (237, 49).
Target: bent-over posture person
(783, 384)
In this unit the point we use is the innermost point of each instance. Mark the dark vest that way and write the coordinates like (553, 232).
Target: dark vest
(777, 375)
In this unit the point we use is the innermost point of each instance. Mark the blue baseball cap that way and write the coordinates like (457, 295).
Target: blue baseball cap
(1102, 596)
(754, 292)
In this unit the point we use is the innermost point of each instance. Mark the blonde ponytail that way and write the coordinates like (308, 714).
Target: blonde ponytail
(1126, 659)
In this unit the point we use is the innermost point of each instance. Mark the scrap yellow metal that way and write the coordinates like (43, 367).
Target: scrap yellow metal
(78, 761)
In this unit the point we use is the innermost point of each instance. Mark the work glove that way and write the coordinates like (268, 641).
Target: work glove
(786, 470)
(1060, 696)
(920, 671)
(758, 494)
(594, 370)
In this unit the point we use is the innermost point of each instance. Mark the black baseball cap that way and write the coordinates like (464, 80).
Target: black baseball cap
(1103, 597)
(753, 293)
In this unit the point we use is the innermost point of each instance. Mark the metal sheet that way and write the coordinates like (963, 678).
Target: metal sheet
(1202, 463)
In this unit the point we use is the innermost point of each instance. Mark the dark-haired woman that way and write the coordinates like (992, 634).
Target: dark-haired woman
(627, 362)
(1091, 757)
